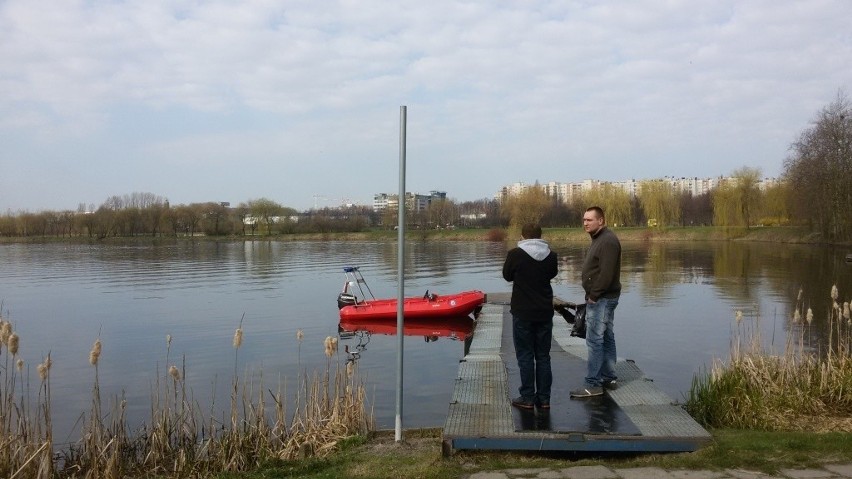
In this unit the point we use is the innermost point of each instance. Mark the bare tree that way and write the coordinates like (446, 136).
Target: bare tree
(821, 168)
(696, 210)
(192, 215)
(215, 215)
(440, 212)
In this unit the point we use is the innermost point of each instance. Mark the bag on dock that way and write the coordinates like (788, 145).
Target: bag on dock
(579, 329)
(577, 318)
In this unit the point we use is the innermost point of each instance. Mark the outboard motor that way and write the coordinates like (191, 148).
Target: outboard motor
(346, 299)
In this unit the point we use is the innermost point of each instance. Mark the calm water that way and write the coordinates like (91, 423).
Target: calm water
(675, 316)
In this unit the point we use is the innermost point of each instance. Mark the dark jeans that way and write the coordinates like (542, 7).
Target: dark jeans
(532, 349)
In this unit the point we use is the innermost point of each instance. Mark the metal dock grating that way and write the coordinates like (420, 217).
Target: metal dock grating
(480, 413)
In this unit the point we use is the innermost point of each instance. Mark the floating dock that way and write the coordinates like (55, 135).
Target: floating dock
(634, 417)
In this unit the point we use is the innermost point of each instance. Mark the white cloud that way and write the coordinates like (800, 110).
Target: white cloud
(308, 92)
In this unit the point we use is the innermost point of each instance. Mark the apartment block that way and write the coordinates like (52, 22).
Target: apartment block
(413, 201)
(565, 192)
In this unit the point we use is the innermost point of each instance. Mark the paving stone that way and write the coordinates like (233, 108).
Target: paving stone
(549, 475)
(702, 474)
(489, 475)
(843, 470)
(588, 472)
(743, 474)
(806, 473)
(529, 472)
(643, 473)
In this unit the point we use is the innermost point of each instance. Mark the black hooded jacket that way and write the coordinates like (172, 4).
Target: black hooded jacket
(530, 267)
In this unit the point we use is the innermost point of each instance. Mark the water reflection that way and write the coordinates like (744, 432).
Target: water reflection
(533, 420)
(675, 316)
(356, 334)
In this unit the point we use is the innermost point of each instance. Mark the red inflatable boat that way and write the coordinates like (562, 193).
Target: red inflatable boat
(353, 307)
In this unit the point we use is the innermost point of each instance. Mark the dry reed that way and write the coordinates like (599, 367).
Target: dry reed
(181, 440)
(797, 390)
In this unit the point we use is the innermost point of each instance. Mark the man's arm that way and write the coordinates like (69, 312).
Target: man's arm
(607, 262)
(552, 266)
(509, 268)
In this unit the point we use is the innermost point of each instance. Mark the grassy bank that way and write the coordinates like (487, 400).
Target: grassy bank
(419, 456)
(690, 233)
(778, 234)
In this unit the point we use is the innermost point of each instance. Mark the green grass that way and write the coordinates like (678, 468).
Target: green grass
(419, 456)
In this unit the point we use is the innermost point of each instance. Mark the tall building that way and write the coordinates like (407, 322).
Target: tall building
(565, 192)
(413, 201)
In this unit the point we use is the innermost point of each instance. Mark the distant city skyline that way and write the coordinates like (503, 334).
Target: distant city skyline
(564, 191)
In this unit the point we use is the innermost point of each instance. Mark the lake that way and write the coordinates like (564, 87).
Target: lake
(675, 316)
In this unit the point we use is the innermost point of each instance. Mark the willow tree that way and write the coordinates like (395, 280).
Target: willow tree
(725, 209)
(614, 201)
(736, 201)
(266, 211)
(776, 203)
(528, 206)
(747, 193)
(659, 201)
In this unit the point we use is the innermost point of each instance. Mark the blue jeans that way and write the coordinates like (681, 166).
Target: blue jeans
(600, 338)
(532, 349)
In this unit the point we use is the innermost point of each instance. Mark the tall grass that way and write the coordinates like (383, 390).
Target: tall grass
(181, 439)
(798, 389)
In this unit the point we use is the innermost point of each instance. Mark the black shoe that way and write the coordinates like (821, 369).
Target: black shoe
(522, 403)
(587, 392)
(610, 384)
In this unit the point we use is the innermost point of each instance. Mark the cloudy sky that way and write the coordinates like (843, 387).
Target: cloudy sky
(299, 101)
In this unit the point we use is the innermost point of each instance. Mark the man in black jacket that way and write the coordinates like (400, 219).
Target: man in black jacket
(602, 283)
(530, 267)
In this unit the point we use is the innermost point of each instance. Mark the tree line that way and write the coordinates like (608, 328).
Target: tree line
(814, 192)
(148, 214)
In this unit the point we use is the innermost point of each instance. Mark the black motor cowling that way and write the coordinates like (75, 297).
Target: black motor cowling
(346, 299)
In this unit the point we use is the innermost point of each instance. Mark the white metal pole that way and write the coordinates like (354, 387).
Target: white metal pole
(400, 273)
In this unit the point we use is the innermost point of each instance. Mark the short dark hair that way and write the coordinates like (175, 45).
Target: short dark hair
(531, 231)
(597, 209)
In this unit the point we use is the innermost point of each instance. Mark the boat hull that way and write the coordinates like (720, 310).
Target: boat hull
(434, 306)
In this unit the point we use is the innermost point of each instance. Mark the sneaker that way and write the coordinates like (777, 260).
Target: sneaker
(522, 403)
(587, 392)
(543, 405)
(613, 384)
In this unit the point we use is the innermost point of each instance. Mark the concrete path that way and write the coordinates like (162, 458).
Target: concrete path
(603, 472)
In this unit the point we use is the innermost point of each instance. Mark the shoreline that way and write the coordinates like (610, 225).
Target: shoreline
(771, 234)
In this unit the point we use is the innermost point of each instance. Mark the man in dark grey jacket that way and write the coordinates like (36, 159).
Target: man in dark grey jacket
(602, 283)
(530, 267)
